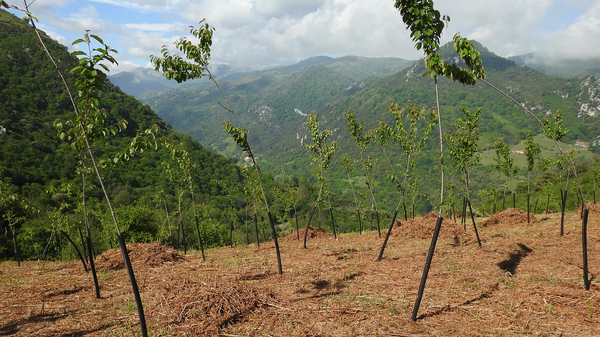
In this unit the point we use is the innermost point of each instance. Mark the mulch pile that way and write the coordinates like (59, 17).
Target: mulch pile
(423, 227)
(148, 254)
(594, 208)
(313, 233)
(199, 309)
(511, 216)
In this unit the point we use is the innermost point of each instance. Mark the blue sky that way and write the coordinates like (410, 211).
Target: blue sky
(259, 33)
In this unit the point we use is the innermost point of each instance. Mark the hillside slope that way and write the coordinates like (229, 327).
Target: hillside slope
(33, 98)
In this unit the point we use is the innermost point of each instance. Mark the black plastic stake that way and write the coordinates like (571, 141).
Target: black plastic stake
(387, 236)
(586, 282)
(76, 249)
(274, 233)
(562, 211)
(436, 233)
(134, 286)
(473, 220)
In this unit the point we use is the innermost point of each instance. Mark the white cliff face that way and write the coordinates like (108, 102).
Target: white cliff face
(590, 87)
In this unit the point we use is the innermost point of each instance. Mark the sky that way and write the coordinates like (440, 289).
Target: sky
(260, 33)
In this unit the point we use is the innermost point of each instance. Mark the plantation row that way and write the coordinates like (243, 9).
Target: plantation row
(253, 208)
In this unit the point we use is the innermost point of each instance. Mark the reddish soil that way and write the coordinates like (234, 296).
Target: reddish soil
(525, 280)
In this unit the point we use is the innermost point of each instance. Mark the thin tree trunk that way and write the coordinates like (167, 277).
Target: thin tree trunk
(43, 255)
(247, 234)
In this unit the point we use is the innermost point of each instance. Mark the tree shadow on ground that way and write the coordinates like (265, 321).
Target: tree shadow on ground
(510, 265)
(449, 307)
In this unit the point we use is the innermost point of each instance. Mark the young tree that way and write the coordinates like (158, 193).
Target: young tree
(463, 143)
(346, 163)
(411, 139)
(504, 163)
(185, 177)
(531, 150)
(426, 25)
(322, 156)
(290, 198)
(252, 195)
(363, 140)
(180, 69)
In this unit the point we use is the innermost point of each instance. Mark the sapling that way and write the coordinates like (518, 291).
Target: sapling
(504, 163)
(290, 198)
(251, 193)
(531, 150)
(463, 143)
(346, 163)
(186, 177)
(322, 156)
(195, 65)
(58, 216)
(362, 140)
(411, 139)
(426, 26)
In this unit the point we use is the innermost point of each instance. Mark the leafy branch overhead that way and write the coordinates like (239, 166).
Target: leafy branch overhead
(179, 68)
(426, 25)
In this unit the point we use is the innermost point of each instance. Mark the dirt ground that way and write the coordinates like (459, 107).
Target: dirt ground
(525, 280)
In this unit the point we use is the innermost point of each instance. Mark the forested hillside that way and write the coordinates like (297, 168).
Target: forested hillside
(34, 162)
(275, 112)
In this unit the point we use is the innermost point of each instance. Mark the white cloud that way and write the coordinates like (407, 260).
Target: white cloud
(277, 8)
(260, 33)
(580, 39)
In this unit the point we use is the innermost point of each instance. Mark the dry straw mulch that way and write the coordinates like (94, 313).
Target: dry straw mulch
(199, 308)
(313, 233)
(509, 216)
(523, 281)
(423, 227)
(147, 254)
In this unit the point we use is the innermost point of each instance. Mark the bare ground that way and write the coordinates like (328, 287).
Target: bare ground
(525, 280)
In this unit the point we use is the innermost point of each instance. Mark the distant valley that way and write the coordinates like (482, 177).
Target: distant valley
(273, 104)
